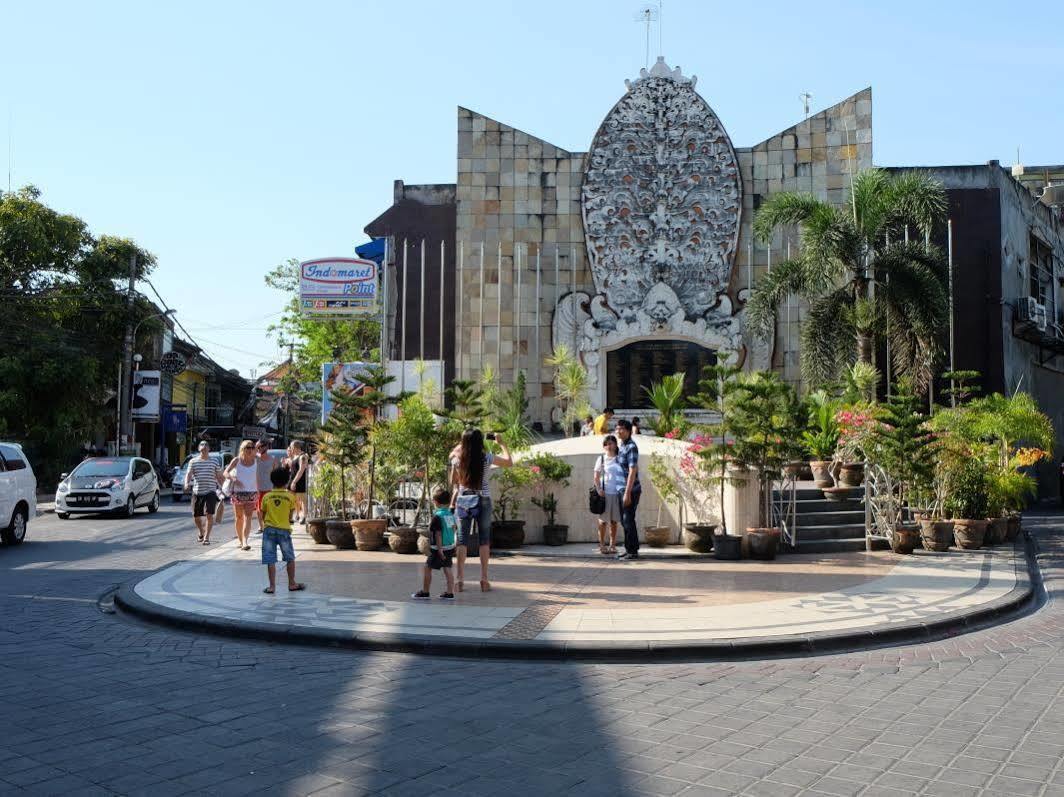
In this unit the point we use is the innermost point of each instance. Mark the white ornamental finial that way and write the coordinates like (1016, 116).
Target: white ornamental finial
(661, 70)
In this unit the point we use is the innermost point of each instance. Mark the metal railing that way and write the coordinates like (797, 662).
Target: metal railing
(784, 508)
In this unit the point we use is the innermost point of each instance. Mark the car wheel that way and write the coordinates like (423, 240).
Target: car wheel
(153, 507)
(130, 507)
(16, 532)
(62, 515)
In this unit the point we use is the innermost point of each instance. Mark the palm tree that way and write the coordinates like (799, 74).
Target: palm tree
(858, 275)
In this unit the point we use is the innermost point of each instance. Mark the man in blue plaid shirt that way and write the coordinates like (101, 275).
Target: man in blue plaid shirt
(628, 459)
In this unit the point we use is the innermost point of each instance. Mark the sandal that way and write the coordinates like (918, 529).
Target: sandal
(297, 588)
(199, 538)
(460, 586)
(268, 590)
(206, 542)
(247, 547)
(485, 586)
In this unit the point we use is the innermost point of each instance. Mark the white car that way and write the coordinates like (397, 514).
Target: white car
(108, 484)
(177, 481)
(18, 493)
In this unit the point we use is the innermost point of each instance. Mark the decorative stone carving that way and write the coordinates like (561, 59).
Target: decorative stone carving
(661, 204)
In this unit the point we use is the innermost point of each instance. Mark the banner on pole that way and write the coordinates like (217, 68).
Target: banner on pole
(338, 286)
(339, 376)
(146, 395)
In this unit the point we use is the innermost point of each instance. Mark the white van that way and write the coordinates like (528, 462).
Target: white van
(18, 493)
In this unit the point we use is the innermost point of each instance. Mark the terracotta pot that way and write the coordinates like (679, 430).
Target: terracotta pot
(839, 494)
(821, 473)
(969, 533)
(555, 535)
(851, 474)
(403, 539)
(997, 530)
(317, 531)
(369, 534)
(905, 539)
(657, 536)
(423, 545)
(507, 534)
(793, 468)
(936, 535)
(338, 533)
(761, 543)
(727, 546)
(1013, 530)
(698, 537)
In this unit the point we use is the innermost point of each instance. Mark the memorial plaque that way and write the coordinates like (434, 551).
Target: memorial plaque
(636, 366)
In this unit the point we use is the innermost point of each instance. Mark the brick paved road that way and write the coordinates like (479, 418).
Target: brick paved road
(94, 703)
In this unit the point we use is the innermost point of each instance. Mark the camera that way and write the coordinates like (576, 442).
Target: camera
(489, 436)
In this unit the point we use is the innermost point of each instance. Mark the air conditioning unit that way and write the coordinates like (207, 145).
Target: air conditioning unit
(1031, 313)
(1053, 195)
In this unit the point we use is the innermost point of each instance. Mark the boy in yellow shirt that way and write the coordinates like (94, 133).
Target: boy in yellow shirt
(277, 506)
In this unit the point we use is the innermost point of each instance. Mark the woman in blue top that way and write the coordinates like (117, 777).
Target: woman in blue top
(609, 481)
(471, 499)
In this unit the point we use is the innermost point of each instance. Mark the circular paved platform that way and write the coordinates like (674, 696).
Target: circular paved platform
(589, 605)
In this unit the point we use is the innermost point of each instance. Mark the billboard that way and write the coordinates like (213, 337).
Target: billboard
(146, 395)
(339, 376)
(338, 286)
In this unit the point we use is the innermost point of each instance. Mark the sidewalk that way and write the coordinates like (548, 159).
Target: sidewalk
(590, 605)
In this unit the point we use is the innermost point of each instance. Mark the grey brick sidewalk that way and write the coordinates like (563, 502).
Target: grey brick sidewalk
(94, 703)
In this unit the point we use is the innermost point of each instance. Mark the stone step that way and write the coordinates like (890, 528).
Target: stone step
(838, 532)
(823, 505)
(831, 518)
(827, 546)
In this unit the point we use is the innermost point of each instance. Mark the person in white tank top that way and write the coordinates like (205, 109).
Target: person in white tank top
(244, 493)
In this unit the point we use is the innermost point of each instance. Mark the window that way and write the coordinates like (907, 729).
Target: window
(141, 468)
(12, 458)
(1040, 274)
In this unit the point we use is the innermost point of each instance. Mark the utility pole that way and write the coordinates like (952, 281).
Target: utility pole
(288, 394)
(125, 383)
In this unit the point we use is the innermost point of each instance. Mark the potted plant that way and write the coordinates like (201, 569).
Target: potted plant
(966, 502)
(821, 438)
(716, 453)
(324, 485)
(570, 387)
(508, 531)
(548, 470)
(762, 423)
(857, 429)
(694, 479)
(667, 398)
(664, 481)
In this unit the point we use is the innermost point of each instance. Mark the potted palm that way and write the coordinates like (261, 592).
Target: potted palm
(548, 470)
(821, 438)
(507, 530)
(668, 399)
(966, 502)
(664, 481)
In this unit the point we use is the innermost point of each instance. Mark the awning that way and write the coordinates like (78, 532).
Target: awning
(374, 250)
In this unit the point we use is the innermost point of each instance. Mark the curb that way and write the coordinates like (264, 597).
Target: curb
(1019, 600)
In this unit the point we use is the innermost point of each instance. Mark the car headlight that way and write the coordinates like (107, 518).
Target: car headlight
(107, 484)
(63, 487)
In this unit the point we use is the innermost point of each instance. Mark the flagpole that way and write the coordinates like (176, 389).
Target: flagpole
(402, 372)
(443, 366)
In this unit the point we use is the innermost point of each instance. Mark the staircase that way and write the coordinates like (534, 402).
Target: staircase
(828, 526)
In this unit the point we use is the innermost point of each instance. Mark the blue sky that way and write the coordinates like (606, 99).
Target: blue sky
(227, 137)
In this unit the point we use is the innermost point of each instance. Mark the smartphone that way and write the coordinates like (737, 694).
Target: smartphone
(489, 436)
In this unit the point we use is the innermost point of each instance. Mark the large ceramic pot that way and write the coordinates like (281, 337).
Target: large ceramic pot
(1013, 530)
(369, 534)
(936, 535)
(507, 534)
(837, 494)
(997, 530)
(821, 473)
(851, 474)
(657, 536)
(761, 543)
(317, 530)
(403, 539)
(905, 538)
(338, 533)
(698, 537)
(969, 533)
(555, 534)
(727, 546)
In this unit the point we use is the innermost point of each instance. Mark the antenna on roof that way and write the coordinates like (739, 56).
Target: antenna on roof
(805, 97)
(648, 14)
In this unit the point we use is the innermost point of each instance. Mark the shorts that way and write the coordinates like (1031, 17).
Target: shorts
(272, 538)
(440, 559)
(482, 517)
(204, 504)
(248, 500)
(612, 512)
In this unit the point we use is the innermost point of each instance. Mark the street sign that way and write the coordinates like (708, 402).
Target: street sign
(172, 363)
(338, 286)
(145, 404)
(254, 432)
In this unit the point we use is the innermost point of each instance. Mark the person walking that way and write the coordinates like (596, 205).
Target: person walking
(265, 465)
(628, 459)
(610, 483)
(471, 497)
(602, 422)
(298, 463)
(203, 479)
(243, 473)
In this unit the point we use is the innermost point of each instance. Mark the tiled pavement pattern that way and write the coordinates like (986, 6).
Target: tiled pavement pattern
(93, 703)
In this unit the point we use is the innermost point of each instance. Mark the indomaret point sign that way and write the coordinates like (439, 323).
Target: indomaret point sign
(338, 286)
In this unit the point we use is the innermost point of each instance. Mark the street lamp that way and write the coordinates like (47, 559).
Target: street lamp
(124, 401)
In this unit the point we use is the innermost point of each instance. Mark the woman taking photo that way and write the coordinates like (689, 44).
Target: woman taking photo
(471, 498)
(243, 474)
(609, 481)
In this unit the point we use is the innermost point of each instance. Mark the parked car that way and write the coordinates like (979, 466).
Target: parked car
(18, 493)
(117, 485)
(177, 481)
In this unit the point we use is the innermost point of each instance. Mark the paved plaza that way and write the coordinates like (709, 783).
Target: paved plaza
(97, 702)
(543, 601)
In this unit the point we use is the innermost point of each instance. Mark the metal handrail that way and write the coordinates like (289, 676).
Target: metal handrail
(784, 508)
